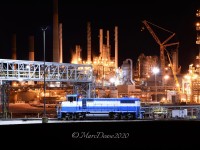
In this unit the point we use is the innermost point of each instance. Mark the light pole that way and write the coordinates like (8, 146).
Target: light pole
(44, 119)
(155, 71)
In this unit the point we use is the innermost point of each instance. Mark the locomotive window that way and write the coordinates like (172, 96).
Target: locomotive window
(127, 101)
(71, 99)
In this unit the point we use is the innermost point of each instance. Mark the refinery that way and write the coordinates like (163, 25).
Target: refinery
(156, 80)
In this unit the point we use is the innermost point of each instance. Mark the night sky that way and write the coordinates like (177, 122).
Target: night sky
(27, 18)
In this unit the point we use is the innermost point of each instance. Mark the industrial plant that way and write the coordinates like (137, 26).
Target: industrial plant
(156, 80)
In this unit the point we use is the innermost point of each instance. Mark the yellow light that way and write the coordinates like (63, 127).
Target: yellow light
(195, 76)
(187, 77)
(166, 77)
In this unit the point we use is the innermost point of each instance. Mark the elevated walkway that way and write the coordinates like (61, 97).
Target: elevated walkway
(18, 70)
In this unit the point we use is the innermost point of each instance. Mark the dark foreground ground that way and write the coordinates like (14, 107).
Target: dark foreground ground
(93, 135)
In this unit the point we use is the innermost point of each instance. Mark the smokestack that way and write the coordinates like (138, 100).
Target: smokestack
(55, 32)
(108, 39)
(101, 42)
(89, 45)
(14, 47)
(60, 44)
(78, 53)
(116, 47)
(31, 48)
(108, 45)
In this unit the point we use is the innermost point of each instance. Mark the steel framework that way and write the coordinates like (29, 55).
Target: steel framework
(20, 70)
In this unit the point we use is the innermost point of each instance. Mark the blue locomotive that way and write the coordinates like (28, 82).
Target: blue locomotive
(76, 107)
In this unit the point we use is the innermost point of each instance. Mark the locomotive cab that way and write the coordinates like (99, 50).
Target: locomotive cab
(72, 98)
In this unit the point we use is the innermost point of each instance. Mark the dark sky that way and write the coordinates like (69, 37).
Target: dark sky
(27, 18)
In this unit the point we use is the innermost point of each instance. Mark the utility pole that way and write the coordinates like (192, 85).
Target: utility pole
(44, 119)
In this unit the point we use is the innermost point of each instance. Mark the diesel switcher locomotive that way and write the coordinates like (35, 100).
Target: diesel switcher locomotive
(76, 107)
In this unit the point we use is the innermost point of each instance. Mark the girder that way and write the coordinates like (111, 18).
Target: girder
(18, 70)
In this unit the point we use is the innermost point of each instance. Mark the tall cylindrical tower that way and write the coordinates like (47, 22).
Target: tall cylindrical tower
(108, 45)
(60, 44)
(101, 42)
(55, 32)
(14, 47)
(31, 48)
(198, 35)
(116, 47)
(89, 45)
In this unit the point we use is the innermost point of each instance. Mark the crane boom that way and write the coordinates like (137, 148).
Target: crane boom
(174, 74)
(151, 31)
(171, 44)
(162, 57)
(162, 45)
(168, 39)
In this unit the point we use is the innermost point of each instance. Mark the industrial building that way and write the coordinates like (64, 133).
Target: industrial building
(98, 76)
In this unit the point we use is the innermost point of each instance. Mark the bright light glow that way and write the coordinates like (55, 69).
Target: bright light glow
(187, 77)
(20, 79)
(195, 76)
(197, 24)
(155, 70)
(166, 77)
(15, 84)
(117, 82)
(132, 96)
(117, 70)
(27, 67)
(112, 80)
